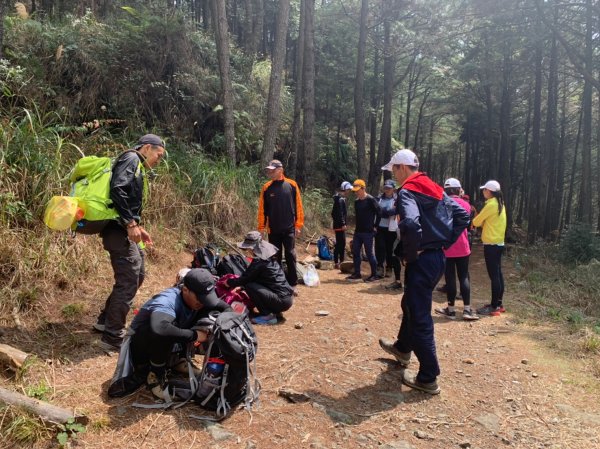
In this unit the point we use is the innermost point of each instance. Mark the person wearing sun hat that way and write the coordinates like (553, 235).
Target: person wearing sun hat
(492, 220)
(264, 280)
(339, 214)
(367, 215)
(429, 222)
(163, 321)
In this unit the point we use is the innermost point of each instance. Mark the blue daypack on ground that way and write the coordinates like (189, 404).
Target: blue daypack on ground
(324, 248)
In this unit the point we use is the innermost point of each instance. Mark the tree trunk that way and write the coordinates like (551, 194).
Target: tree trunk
(375, 95)
(305, 165)
(420, 117)
(2, 12)
(567, 217)
(273, 107)
(359, 89)
(533, 217)
(505, 126)
(222, 41)
(297, 150)
(584, 212)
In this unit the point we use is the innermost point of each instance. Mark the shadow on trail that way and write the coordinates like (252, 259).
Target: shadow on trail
(370, 400)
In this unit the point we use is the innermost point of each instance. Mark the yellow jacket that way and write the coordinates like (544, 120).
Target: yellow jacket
(494, 224)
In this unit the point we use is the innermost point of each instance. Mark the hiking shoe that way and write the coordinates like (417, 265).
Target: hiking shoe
(396, 285)
(469, 315)
(182, 367)
(98, 327)
(410, 380)
(489, 311)
(353, 277)
(295, 291)
(264, 319)
(501, 309)
(108, 349)
(336, 266)
(446, 312)
(372, 278)
(157, 387)
(442, 289)
(402, 357)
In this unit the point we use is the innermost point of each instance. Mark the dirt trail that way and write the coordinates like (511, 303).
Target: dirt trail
(500, 386)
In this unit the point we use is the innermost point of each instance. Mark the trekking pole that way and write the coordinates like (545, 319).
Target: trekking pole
(232, 247)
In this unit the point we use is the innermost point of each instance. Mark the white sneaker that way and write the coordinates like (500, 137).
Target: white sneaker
(158, 390)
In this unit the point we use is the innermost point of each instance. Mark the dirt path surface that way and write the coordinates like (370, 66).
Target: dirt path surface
(501, 386)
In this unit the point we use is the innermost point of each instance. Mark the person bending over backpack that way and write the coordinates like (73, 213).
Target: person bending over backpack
(264, 280)
(128, 189)
(163, 321)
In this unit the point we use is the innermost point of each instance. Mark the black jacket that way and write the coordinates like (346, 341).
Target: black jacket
(429, 219)
(267, 273)
(368, 214)
(127, 186)
(339, 213)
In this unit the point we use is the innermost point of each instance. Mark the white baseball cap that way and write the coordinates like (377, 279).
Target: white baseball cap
(492, 186)
(402, 157)
(346, 186)
(452, 182)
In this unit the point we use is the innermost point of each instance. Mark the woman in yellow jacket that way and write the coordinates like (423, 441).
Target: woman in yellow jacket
(492, 219)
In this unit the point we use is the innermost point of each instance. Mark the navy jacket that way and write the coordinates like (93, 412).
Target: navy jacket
(430, 219)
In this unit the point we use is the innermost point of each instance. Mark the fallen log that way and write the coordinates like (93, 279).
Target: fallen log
(47, 412)
(12, 357)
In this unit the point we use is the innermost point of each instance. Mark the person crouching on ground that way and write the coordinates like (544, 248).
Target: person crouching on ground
(161, 322)
(264, 280)
(339, 214)
(457, 262)
(430, 221)
(368, 215)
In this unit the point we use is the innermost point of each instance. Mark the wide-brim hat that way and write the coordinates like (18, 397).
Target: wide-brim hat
(265, 250)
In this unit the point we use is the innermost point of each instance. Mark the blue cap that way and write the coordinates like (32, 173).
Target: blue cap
(389, 183)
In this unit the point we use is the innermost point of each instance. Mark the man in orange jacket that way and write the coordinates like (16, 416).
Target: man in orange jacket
(281, 215)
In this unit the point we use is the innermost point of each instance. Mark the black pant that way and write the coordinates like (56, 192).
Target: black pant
(127, 261)
(285, 241)
(458, 266)
(384, 247)
(150, 349)
(267, 301)
(493, 262)
(339, 250)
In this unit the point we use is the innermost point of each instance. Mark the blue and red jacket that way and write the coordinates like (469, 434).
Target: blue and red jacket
(429, 219)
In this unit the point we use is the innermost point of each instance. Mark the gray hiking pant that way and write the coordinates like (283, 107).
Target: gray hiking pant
(127, 261)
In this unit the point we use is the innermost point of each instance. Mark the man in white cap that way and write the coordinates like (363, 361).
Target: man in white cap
(281, 215)
(429, 221)
(339, 214)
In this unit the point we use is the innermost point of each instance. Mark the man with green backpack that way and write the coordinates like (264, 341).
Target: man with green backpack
(121, 236)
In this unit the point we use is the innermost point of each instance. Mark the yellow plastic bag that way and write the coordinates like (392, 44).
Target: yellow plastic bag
(61, 212)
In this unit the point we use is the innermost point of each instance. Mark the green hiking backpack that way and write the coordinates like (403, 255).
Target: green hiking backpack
(90, 180)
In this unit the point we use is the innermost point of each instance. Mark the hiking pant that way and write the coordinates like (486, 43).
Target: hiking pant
(384, 250)
(266, 300)
(458, 266)
(363, 239)
(416, 330)
(127, 261)
(150, 351)
(493, 262)
(339, 249)
(285, 241)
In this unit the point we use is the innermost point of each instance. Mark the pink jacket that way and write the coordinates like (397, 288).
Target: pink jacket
(461, 247)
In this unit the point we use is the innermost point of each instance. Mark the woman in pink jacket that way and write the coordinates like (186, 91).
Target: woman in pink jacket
(457, 263)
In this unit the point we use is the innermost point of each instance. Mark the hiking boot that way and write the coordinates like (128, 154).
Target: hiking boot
(489, 310)
(336, 266)
(98, 327)
(501, 309)
(109, 350)
(264, 319)
(396, 285)
(402, 357)
(410, 380)
(295, 291)
(469, 315)
(372, 278)
(354, 277)
(446, 312)
(182, 367)
(442, 289)
(157, 387)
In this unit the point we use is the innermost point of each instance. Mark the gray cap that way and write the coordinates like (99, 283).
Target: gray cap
(151, 139)
(202, 283)
(260, 248)
(250, 240)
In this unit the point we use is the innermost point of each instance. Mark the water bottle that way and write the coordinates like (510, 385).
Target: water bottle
(212, 376)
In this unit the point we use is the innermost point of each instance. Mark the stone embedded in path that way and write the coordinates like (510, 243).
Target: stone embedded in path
(490, 421)
(422, 435)
(400, 444)
(587, 418)
(322, 312)
(218, 432)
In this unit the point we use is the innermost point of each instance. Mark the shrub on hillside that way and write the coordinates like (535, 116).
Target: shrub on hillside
(579, 245)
